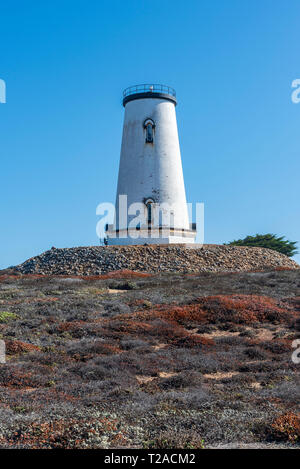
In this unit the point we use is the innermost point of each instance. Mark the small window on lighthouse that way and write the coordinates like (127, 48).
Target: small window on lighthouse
(149, 207)
(149, 212)
(149, 136)
(149, 127)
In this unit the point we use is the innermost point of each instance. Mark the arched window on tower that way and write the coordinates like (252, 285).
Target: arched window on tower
(149, 128)
(149, 207)
(149, 213)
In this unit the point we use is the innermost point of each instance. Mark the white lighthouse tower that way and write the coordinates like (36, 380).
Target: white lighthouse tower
(151, 203)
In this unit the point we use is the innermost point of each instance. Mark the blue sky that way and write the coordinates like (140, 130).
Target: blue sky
(65, 64)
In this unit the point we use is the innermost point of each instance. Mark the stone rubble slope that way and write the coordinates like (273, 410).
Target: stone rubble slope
(97, 260)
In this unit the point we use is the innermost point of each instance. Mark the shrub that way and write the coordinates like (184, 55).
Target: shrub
(243, 309)
(17, 346)
(270, 241)
(130, 344)
(85, 349)
(255, 353)
(121, 274)
(248, 333)
(22, 377)
(260, 367)
(176, 440)
(277, 346)
(183, 315)
(180, 381)
(128, 285)
(6, 316)
(191, 341)
(114, 308)
(286, 427)
(224, 310)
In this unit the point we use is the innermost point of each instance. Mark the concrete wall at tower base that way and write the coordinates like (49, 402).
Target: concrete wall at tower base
(133, 237)
(143, 241)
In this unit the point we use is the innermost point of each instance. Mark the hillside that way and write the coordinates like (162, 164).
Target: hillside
(150, 360)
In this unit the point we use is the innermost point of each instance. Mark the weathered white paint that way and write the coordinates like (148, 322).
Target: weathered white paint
(155, 237)
(152, 170)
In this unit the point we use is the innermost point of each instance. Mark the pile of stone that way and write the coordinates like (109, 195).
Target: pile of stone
(97, 260)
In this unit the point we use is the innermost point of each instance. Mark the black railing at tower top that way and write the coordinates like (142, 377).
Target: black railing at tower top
(149, 88)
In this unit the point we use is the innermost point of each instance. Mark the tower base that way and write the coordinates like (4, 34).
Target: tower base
(155, 236)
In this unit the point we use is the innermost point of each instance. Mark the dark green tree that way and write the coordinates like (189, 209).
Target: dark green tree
(270, 241)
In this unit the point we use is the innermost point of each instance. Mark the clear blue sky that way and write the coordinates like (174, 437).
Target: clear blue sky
(66, 63)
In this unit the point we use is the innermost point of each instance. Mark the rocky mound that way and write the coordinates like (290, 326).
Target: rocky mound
(97, 260)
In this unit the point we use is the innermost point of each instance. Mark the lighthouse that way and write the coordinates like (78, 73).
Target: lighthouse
(151, 205)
